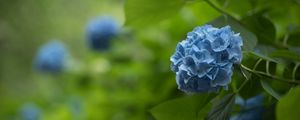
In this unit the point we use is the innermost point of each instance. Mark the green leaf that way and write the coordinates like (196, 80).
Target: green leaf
(238, 7)
(147, 12)
(263, 51)
(222, 108)
(262, 27)
(286, 54)
(249, 39)
(288, 106)
(269, 89)
(293, 39)
(186, 108)
(251, 88)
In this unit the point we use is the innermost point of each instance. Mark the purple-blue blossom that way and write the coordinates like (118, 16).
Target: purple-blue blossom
(100, 32)
(30, 112)
(203, 62)
(251, 109)
(51, 57)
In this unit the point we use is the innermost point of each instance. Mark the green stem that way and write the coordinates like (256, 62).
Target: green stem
(267, 67)
(285, 39)
(259, 73)
(216, 8)
(243, 84)
(257, 63)
(247, 79)
(294, 74)
(295, 70)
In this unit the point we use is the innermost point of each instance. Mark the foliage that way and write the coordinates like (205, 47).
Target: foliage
(132, 78)
(258, 26)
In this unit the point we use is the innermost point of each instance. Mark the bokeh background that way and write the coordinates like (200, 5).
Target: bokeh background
(122, 83)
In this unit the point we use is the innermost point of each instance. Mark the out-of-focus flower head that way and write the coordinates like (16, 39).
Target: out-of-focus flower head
(251, 109)
(203, 62)
(30, 112)
(51, 57)
(100, 32)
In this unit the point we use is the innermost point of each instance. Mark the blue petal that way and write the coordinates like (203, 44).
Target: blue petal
(254, 101)
(223, 77)
(176, 58)
(203, 69)
(203, 56)
(252, 114)
(222, 58)
(219, 44)
(190, 65)
(212, 73)
(235, 54)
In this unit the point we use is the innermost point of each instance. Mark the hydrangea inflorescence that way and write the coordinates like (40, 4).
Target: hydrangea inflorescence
(30, 111)
(251, 109)
(203, 62)
(100, 31)
(51, 57)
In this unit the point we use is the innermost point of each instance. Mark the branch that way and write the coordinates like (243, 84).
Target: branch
(259, 73)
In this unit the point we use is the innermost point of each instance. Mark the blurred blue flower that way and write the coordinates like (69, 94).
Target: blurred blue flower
(76, 106)
(251, 109)
(30, 112)
(51, 57)
(100, 32)
(203, 62)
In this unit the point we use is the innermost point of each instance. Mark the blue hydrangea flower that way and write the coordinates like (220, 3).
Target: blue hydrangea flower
(251, 109)
(100, 32)
(30, 112)
(76, 106)
(203, 62)
(51, 57)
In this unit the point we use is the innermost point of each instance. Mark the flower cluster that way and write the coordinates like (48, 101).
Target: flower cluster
(30, 112)
(100, 31)
(251, 109)
(203, 62)
(51, 57)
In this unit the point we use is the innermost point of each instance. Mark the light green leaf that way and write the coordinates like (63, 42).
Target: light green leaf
(288, 106)
(222, 108)
(148, 12)
(186, 108)
(269, 89)
(249, 39)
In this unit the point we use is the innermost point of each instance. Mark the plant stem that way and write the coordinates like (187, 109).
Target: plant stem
(247, 79)
(285, 39)
(294, 74)
(294, 71)
(259, 73)
(267, 67)
(257, 63)
(216, 8)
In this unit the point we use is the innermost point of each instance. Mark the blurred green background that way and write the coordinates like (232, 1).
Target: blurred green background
(123, 83)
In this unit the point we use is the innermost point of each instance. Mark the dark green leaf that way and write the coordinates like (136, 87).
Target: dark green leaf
(262, 27)
(249, 39)
(263, 51)
(288, 106)
(252, 88)
(222, 108)
(269, 89)
(186, 108)
(294, 38)
(286, 54)
(147, 12)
